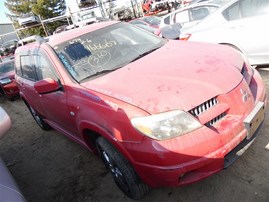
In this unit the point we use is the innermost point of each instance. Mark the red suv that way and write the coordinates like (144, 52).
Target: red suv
(158, 112)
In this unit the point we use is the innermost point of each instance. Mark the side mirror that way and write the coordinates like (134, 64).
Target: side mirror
(47, 86)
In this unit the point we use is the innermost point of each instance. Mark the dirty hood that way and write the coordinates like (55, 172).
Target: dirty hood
(179, 75)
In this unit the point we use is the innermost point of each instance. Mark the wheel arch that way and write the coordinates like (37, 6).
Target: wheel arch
(28, 104)
(91, 132)
(236, 47)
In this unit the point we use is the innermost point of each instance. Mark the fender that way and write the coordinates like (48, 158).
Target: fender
(100, 130)
(236, 47)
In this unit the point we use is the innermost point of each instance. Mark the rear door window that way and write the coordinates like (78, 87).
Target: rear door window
(199, 13)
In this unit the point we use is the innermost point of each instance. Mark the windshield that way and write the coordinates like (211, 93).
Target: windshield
(6, 67)
(153, 20)
(105, 50)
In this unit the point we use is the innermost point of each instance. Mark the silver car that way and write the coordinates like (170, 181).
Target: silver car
(189, 15)
(28, 19)
(241, 24)
(9, 190)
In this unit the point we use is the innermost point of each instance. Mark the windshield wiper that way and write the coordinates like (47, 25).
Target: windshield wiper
(99, 73)
(144, 54)
(96, 74)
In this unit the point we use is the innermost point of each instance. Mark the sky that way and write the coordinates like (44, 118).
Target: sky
(70, 3)
(3, 10)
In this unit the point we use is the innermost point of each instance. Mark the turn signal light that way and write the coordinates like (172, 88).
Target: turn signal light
(185, 37)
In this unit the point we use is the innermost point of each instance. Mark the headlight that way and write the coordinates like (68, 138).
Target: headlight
(5, 81)
(166, 125)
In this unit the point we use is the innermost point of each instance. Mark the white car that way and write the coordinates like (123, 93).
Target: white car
(28, 19)
(241, 24)
(189, 15)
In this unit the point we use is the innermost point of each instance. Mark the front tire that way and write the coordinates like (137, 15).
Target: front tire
(39, 120)
(123, 173)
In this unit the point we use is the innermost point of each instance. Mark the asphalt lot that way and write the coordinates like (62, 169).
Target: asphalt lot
(49, 167)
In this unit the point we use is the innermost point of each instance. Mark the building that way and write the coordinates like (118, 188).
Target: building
(7, 32)
(103, 8)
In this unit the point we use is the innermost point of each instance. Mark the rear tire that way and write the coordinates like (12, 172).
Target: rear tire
(123, 174)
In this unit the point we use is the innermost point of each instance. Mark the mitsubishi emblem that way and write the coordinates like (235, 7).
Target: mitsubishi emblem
(245, 95)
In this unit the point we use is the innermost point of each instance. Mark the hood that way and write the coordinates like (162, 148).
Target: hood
(179, 75)
(9, 74)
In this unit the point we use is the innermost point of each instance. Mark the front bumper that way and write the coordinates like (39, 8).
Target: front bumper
(198, 169)
(11, 90)
(193, 157)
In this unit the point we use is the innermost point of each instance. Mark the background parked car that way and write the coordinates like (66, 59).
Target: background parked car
(207, 1)
(9, 190)
(240, 24)
(8, 86)
(168, 32)
(9, 46)
(7, 50)
(153, 5)
(60, 29)
(189, 15)
(150, 21)
(197, 1)
(28, 19)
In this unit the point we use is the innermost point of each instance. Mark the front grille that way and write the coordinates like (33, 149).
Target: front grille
(215, 120)
(203, 107)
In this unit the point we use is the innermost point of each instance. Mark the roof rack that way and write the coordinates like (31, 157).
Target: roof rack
(30, 39)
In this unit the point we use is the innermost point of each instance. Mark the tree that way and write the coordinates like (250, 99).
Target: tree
(45, 9)
(49, 8)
